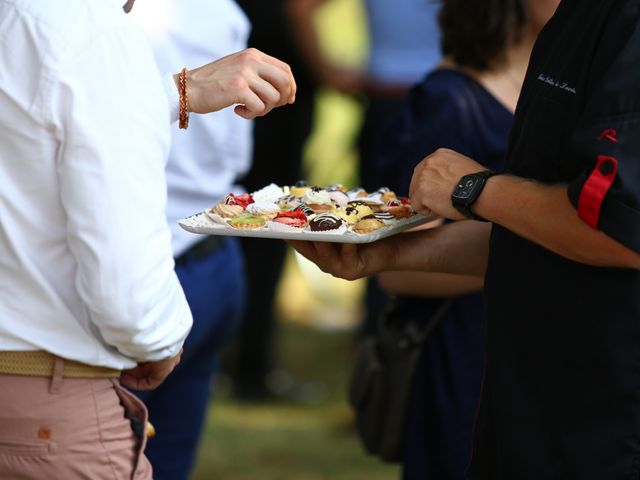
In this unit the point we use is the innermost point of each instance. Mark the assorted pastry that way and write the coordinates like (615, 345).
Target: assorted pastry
(333, 209)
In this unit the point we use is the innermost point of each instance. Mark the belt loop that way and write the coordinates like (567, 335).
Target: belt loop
(57, 373)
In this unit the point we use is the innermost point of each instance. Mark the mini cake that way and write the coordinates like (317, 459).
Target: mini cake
(403, 211)
(349, 214)
(367, 225)
(293, 218)
(316, 195)
(247, 222)
(339, 198)
(269, 194)
(325, 222)
(386, 194)
(373, 199)
(385, 217)
(263, 209)
(362, 209)
(319, 200)
(288, 202)
(355, 193)
(300, 188)
(227, 211)
(394, 202)
(306, 209)
(242, 200)
(321, 207)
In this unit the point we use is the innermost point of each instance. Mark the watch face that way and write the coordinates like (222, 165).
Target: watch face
(468, 187)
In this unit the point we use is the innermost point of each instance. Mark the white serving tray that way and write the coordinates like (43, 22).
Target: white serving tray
(202, 224)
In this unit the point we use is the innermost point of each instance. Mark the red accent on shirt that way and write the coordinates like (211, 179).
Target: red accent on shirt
(595, 189)
(609, 134)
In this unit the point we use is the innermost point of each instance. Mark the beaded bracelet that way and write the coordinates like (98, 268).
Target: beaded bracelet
(184, 101)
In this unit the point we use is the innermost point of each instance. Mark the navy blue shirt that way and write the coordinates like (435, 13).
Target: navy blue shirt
(561, 398)
(448, 109)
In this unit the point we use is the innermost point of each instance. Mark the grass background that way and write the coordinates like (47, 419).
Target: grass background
(311, 439)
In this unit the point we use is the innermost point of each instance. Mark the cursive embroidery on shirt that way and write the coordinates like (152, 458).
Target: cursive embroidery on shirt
(549, 80)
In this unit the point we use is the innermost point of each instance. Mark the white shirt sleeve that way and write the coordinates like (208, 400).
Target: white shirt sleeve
(173, 96)
(112, 113)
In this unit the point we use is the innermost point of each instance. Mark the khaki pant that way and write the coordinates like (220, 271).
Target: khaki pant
(68, 428)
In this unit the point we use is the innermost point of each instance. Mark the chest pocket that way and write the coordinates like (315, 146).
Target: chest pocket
(541, 136)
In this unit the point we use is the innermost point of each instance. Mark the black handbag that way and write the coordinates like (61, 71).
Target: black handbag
(381, 378)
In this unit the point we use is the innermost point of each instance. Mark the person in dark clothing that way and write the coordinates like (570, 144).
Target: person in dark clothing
(458, 113)
(466, 105)
(561, 262)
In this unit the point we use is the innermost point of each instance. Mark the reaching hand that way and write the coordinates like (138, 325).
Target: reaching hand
(148, 375)
(253, 81)
(435, 178)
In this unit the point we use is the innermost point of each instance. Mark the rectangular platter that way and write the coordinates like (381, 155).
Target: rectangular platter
(201, 223)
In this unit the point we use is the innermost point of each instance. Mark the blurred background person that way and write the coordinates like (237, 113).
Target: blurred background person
(467, 105)
(203, 167)
(287, 30)
(404, 44)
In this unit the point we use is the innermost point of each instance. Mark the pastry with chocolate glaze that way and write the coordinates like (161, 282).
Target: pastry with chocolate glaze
(385, 217)
(349, 214)
(362, 209)
(306, 209)
(325, 222)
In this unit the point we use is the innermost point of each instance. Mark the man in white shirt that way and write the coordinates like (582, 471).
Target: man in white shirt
(203, 167)
(87, 286)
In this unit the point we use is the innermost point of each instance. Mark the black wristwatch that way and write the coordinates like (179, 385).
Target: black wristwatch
(467, 191)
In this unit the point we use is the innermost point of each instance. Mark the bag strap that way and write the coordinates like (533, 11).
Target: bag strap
(414, 335)
(420, 335)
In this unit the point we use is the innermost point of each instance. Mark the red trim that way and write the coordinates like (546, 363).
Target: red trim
(595, 189)
(609, 134)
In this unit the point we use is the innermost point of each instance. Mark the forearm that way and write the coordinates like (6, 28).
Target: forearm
(300, 15)
(424, 284)
(459, 248)
(544, 215)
